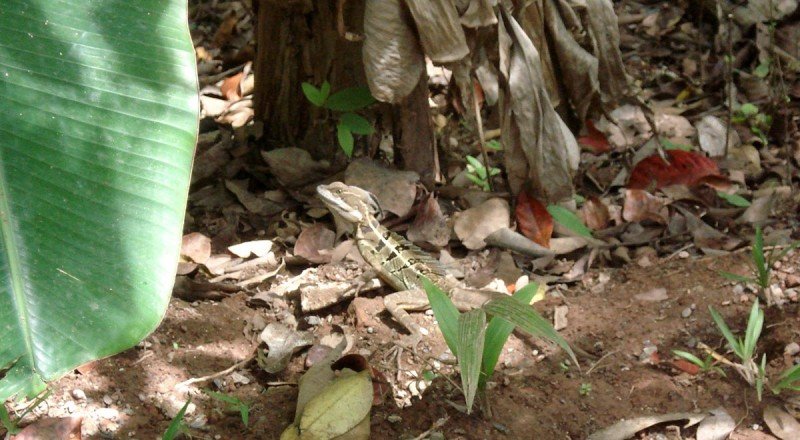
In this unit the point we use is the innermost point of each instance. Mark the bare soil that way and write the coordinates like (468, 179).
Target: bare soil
(534, 395)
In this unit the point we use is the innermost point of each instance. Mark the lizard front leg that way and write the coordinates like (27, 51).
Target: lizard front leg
(397, 305)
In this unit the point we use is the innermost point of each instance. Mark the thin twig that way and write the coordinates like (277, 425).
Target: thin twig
(481, 139)
(589, 371)
(729, 80)
(436, 425)
(224, 372)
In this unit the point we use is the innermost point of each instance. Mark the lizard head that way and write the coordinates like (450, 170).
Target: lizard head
(349, 203)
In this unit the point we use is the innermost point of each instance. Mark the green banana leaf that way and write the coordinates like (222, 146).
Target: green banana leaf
(98, 122)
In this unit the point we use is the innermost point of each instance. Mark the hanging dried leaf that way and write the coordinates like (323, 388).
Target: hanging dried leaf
(539, 146)
(601, 21)
(533, 219)
(393, 59)
(439, 29)
(684, 168)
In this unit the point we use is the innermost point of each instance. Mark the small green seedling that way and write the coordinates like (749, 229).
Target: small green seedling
(476, 344)
(706, 365)
(585, 389)
(760, 123)
(233, 403)
(479, 174)
(494, 144)
(788, 380)
(176, 426)
(669, 145)
(761, 263)
(345, 102)
(734, 199)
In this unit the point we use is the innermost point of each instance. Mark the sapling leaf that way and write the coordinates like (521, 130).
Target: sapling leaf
(445, 312)
(759, 260)
(313, 94)
(736, 277)
(726, 332)
(734, 199)
(325, 91)
(748, 109)
(350, 99)
(789, 379)
(755, 322)
(499, 329)
(471, 330)
(345, 137)
(357, 123)
(477, 166)
(690, 357)
(569, 220)
(527, 319)
(176, 424)
(762, 70)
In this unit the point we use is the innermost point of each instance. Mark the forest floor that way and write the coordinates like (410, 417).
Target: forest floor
(625, 310)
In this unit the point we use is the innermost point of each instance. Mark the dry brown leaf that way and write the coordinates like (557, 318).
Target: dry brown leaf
(781, 423)
(475, 224)
(439, 29)
(283, 341)
(395, 190)
(393, 59)
(62, 428)
(641, 205)
(539, 146)
(313, 240)
(196, 247)
(595, 214)
(430, 225)
(294, 166)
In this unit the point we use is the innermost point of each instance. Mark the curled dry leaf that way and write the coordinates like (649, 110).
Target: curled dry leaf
(283, 341)
(626, 429)
(475, 224)
(313, 240)
(439, 29)
(259, 248)
(533, 219)
(196, 247)
(429, 225)
(781, 423)
(718, 426)
(540, 148)
(711, 133)
(393, 59)
(641, 205)
(682, 168)
(294, 166)
(595, 214)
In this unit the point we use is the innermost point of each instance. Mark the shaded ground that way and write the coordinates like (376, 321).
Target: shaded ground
(131, 395)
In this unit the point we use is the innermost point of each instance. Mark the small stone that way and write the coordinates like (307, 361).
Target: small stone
(239, 378)
(394, 418)
(777, 265)
(78, 394)
(683, 254)
(792, 349)
(429, 312)
(687, 312)
(107, 413)
(791, 295)
(370, 330)
(70, 406)
(424, 332)
(422, 385)
(107, 399)
(744, 298)
(412, 388)
(313, 320)
(738, 289)
(198, 422)
(792, 280)
(107, 428)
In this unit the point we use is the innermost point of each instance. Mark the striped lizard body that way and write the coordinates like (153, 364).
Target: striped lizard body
(396, 260)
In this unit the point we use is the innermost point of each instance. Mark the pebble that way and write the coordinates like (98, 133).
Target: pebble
(412, 388)
(687, 312)
(792, 348)
(107, 428)
(738, 289)
(239, 378)
(107, 399)
(313, 320)
(370, 330)
(107, 413)
(792, 295)
(683, 254)
(78, 394)
(394, 418)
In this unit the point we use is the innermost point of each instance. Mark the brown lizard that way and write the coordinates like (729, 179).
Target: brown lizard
(397, 261)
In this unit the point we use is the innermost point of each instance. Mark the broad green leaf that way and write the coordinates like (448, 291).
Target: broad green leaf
(726, 332)
(345, 137)
(527, 319)
(445, 312)
(471, 328)
(498, 331)
(357, 123)
(313, 94)
(734, 199)
(98, 114)
(569, 220)
(350, 99)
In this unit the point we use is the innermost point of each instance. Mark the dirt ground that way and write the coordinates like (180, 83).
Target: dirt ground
(534, 394)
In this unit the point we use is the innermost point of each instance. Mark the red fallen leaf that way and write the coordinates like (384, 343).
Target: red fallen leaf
(594, 140)
(533, 219)
(380, 387)
(685, 366)
(595, 214)
(230, 87)
(684, 168)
